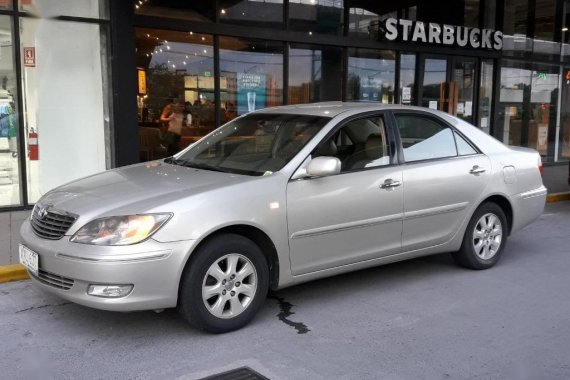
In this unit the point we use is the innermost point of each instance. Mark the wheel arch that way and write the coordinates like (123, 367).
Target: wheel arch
(257, 236)
(504, 203)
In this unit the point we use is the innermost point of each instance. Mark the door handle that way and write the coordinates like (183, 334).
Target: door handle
(475, 170)
(390, 183)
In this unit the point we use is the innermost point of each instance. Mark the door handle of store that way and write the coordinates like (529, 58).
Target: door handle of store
(390, 183)
(476, 170)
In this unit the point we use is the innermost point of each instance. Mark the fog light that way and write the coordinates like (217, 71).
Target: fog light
(109, 291)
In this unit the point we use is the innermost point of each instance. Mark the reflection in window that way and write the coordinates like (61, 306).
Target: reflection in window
(260, 13)
(515, 26)
(544, 20)
(316, 16)
(407, 78)
(485, 95)
(424, 138)
(315, 73)
(527, 104)
(9, 127)
(251, 76)
(176, 89)
(201, 11)
(75, 8)
(365, 23)
(371, 75)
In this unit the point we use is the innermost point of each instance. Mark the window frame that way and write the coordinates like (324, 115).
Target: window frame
(436, 119)
(391, 140)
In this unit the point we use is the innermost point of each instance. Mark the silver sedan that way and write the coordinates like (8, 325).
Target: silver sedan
(278, 197)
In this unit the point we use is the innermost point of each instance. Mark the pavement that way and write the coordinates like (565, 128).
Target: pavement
(420, 319)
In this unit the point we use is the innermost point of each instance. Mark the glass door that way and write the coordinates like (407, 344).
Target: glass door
(448, 84)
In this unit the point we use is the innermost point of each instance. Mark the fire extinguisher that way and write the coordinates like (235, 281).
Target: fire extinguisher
(33, 148)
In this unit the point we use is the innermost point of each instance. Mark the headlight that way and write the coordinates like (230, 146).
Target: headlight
(120, 230)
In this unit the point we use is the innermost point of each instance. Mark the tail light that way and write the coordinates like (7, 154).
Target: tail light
(540, 165)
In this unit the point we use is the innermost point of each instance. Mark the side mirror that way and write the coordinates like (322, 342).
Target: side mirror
(323, 166)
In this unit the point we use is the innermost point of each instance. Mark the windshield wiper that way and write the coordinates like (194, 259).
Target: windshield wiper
(199, 165)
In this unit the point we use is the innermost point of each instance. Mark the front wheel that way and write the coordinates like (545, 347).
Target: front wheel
(484, 239)
(224, 285)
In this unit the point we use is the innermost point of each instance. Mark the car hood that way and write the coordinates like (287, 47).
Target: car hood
(136, 189)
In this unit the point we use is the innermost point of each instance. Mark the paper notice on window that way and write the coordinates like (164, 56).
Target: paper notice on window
(460, 108)
(484, 122)
(468, 108)
(406, 95)
(433, 104)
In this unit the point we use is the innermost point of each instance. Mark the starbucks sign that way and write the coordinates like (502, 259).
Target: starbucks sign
(442, 34)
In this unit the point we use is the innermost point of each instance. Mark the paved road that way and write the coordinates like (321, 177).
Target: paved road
(421, 319)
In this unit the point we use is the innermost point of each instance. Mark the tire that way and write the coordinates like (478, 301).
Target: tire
(210, 299)
(484, 239)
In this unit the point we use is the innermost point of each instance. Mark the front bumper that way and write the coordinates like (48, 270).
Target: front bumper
(67, 269)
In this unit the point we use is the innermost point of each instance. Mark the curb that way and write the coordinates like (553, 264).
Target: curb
(14, 272)
(558, 197)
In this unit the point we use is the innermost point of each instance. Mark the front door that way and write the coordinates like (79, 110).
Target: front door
(355, 215)
(448, 84)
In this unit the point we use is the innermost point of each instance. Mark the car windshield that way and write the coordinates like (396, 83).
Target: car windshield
(256, 144)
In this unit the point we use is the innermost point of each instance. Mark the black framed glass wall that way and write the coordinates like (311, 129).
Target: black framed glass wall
(329, 49)
(55, 118)
(371, 75)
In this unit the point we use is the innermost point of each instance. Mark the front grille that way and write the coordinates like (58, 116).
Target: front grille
(54, 280)
(50, 223)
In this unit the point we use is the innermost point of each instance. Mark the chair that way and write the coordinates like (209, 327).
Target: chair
(150, 145)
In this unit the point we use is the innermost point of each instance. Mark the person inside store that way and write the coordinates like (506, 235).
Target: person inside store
(172, 119)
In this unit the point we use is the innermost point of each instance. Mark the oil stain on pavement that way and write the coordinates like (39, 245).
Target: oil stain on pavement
(286, 312)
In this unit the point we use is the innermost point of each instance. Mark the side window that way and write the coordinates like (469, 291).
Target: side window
(424, 138)
(463, 146)
(359, 144)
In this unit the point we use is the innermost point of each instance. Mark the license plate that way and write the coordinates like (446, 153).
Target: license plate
(29, 259)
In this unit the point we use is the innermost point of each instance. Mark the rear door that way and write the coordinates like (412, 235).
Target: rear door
(443, 175)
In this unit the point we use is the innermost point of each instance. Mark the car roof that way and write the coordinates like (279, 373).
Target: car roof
(332, 109)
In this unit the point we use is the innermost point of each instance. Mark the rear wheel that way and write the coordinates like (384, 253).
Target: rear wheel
(484, 239)
(225, 284)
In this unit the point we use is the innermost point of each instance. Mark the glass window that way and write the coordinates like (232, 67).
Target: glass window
(407, 78)
(371, 75)
(471, 13)
(315, 74)
(175, 99)
(9, 128)
(485, 95)
(365, 20)
(544, 20)
(515, 41)
(68, 115)
(257, 144)
(527, 105)
(316, 16)
(423, 138)
(75, 8)
(251, 76)
(200, 11)
(260, 13)
(359, 144)
(463, 147)
(6, 4)
(489, 14)
(564, 136)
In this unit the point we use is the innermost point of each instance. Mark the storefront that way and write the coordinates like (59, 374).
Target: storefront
(94, 83)
(54, 106)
